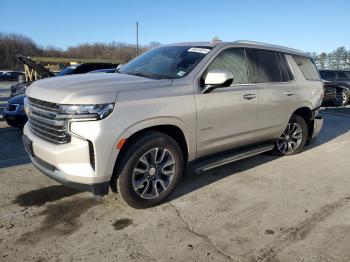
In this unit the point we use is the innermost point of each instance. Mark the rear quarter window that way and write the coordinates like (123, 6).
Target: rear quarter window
(307, 67)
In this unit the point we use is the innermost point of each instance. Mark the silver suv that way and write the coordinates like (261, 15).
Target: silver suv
(188, 105)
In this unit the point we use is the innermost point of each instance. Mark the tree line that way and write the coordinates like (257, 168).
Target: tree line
(12, 44)
(338, 59)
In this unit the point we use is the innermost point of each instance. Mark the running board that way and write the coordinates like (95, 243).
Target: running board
(233, 156)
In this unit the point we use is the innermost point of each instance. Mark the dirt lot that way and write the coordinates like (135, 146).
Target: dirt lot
(261, 209)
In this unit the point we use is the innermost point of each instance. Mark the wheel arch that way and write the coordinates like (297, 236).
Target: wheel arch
(170, 129)
(308, 115)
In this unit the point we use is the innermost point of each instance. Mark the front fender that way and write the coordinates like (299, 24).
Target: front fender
(167, 120)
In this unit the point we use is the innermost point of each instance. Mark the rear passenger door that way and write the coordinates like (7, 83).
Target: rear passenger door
(273, 79)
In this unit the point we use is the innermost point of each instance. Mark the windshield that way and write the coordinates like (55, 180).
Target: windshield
(167, 62)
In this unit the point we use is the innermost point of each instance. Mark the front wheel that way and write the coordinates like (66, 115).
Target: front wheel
(150, 170)
(294, 138)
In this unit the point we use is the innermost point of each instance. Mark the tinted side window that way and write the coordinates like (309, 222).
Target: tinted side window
(343, 75)
(265, 66)
(234, 61)
(286, 72)
(307, 67)
(327, 75)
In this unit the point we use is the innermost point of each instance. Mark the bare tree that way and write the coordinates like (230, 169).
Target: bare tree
(12, 44)
(322, 60)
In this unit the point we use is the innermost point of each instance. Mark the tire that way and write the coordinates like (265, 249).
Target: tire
(294, 138)
(153, 152)
(342, 98)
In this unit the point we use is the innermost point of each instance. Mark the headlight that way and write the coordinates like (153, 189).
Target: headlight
(86, 111)
(26, 106)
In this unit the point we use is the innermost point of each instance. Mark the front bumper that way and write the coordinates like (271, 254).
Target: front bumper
(70, 163)
(317, 127)
(51, 171)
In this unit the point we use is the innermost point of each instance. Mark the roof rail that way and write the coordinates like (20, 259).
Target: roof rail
(268, 45)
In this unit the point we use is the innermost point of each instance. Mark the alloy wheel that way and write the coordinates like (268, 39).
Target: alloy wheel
(291, 138)
(153, 173)
(341, 98)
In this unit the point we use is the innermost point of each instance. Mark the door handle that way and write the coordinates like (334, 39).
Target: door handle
(249, 96)
(288, 93)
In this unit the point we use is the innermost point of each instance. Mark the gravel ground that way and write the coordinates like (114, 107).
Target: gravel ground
(260, 209)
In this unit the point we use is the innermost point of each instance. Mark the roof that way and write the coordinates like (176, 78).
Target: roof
(211, 44)
(271, 47)
(245, 43)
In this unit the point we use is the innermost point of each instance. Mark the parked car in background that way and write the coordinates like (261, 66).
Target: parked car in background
(340, 79)
(111, 70)
(14, 113)
(85, 68)
(203, 104)
(19, 88)
(42, 72)
(10, 76)
(330, 94)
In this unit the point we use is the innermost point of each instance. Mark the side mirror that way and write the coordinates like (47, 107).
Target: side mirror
(217, 78)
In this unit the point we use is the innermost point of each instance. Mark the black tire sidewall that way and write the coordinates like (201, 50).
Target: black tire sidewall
(124, 180)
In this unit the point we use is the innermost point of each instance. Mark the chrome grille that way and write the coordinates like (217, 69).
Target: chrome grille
(45, 122)
(43, 104)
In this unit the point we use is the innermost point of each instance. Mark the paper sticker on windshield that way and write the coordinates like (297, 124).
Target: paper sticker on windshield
(199, 50)
(181, 73)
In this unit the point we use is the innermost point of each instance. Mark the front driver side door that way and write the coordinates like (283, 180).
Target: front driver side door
(226, 117)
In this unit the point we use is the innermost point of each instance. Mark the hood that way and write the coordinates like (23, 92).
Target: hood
(41, 71)
(17, 100)
(89, 88)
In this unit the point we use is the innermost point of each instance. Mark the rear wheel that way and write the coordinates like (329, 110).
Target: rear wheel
(342, 99)
(294, 138)
(150, 170)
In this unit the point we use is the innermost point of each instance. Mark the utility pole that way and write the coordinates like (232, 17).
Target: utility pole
(137, 38)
